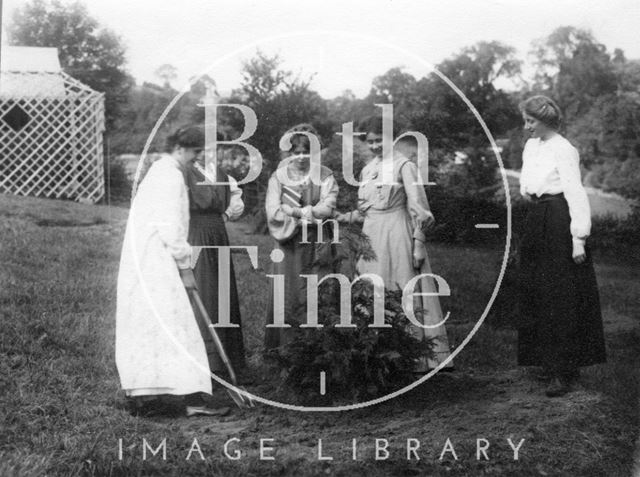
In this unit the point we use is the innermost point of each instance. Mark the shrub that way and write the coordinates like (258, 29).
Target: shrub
(612, 235)
(361, 362)
(469, 193)
(352, 245)
(457, 216)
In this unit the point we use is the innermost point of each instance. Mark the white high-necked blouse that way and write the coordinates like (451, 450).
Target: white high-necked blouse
(552, 166)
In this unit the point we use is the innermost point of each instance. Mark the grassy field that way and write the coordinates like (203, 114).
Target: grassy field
(62, 408)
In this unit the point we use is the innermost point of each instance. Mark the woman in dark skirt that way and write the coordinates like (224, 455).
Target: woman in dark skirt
(210, 206)
(288, 206)
(561, 323)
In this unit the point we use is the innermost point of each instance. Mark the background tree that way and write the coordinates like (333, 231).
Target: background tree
(137, 118)
(88, 52)
(280, 100)
(167, 73)
(599, 94)
(398, 88)
(347, 107)
(444, 117)
(146, 105)
(574, 68)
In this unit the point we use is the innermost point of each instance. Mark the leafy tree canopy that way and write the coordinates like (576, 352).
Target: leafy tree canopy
(87, 51)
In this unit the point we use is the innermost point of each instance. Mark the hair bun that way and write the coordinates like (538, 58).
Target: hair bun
(544, 109)
(186, 136)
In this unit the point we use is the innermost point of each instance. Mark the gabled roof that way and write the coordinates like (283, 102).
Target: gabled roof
(29, 59)
(35, 72)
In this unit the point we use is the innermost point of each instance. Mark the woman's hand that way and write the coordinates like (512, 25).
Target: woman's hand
(429, 221)
(287, 209)
(419, 254)
(188, 279)
(304, 213)
(296, 212)
(579, 254)
(343, 218)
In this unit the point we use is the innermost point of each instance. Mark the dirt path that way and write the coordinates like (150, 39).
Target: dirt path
(462, 408)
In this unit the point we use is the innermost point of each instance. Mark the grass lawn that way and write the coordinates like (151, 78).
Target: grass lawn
(61, 407)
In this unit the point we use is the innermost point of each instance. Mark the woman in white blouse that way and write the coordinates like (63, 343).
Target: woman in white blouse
(295, 203)
(561, 323)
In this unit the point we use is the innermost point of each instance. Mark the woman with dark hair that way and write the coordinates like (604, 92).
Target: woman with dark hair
(396, 217)
(294, 202)
(210, 206)
(159, 350)
(561, 323)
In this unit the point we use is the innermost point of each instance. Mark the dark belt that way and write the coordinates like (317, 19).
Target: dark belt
(206, 217)
(547, 197)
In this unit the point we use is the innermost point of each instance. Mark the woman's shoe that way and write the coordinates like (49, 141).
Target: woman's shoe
(206, 411)
(155, 408)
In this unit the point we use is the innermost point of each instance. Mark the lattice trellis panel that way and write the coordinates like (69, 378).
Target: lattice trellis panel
(51, 128)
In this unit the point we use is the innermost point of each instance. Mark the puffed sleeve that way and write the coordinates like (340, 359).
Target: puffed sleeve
(281, 226)
(524, 173)
(568, 166)
(236, 205)
(328, 198)
(417, 203)
(170, 216)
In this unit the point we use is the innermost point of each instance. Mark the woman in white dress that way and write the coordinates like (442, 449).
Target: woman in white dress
(396, 217)
(561, 323)
(159, 350)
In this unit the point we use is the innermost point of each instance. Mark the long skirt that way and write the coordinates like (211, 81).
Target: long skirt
(391, 235)
(299, 259)
(560, 321)
(210, 230)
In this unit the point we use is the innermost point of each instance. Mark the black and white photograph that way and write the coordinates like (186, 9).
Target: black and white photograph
(346, 238)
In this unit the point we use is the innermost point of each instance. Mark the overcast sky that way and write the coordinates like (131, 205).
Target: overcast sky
(345, 43)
